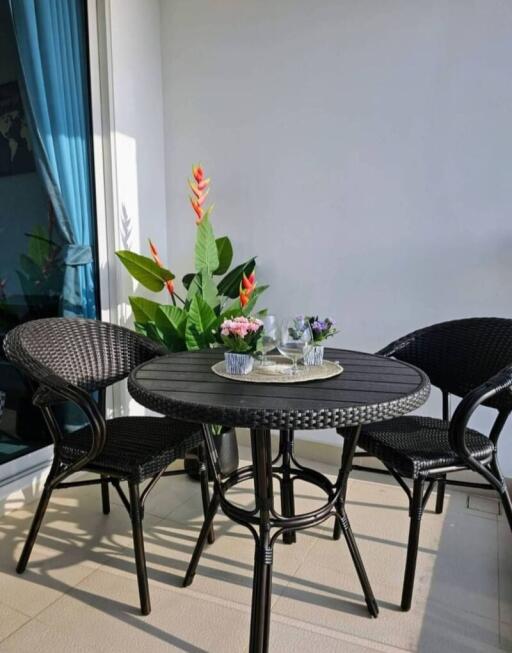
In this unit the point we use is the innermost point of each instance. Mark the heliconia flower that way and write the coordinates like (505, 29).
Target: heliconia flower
(246, 283)
(198, 173)
(247, 287)
(156, 258)
(199, 187)
(198, 209)
(202, 198)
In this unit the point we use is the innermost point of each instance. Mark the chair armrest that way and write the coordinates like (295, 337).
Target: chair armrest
(54, 390)
(500, 382)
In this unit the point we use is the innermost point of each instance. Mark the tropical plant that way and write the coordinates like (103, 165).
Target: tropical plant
(212, 293)
(40, 274)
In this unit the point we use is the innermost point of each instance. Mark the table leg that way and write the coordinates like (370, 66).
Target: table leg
(287, 498)
(350, 438)
(262, 580)
(371, 602)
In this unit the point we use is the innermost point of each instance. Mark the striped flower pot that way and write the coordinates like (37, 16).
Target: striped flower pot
(238, 363)
(315, 355)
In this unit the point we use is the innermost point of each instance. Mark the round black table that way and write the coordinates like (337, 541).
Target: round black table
(370, 389)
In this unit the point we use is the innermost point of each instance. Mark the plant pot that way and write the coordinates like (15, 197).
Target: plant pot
(315, 355)
(238, 363)
(227, 448)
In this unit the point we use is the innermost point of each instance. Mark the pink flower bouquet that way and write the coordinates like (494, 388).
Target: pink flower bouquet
(241, 335)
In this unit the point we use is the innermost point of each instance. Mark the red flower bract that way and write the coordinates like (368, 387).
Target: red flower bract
(156, 258)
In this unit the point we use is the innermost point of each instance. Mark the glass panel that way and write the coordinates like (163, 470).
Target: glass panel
(28, 277)
(31, 272)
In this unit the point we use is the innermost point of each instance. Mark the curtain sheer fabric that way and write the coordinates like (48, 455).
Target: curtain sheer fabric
(50, 36)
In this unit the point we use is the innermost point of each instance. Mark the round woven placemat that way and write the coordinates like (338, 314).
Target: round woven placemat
(278, 372)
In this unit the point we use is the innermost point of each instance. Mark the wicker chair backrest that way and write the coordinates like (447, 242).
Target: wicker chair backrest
(87, 353)
(460, 355)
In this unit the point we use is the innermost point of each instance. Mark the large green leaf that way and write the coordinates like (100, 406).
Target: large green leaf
(154, 333)
(144, 310)
(206, 255)
(39, 245)
(187, 279)
(232, 310)
(203, 285)
(230, 285)
(200, 324)
(225, 253)
(173, 319)
(30, 267)
(145, 270)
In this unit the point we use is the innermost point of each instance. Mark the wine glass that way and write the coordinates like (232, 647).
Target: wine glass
(295, 339)
(269, 338)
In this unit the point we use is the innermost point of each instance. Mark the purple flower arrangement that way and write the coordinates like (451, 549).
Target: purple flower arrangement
(321, 329)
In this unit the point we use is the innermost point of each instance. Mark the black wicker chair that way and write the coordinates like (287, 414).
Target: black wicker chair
(69, 359)
(469, 358)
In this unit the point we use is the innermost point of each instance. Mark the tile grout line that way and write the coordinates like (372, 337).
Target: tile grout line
(340, 635)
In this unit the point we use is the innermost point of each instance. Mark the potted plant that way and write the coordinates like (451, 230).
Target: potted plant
(242, 336)
(321, 330)
(190, 319)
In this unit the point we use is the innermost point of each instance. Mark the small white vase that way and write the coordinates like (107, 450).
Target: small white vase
(315, 355)
(238, 363)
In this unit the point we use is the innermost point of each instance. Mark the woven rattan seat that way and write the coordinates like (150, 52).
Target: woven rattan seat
(413, 445)
(136, 447)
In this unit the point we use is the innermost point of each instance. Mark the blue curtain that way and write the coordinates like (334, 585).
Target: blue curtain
(50, 36)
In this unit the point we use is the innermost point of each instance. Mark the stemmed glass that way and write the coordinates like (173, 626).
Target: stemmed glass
(269, 338)
(295, 340)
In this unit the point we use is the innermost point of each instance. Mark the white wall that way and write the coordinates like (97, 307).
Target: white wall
(133, 179)
(361, 149)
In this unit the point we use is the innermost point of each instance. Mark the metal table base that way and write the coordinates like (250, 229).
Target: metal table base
(266, 524)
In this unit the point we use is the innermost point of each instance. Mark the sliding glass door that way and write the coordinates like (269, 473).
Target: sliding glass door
(47, 231)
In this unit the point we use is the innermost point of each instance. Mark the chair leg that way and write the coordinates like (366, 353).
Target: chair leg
(441, 486)
(34, 528)
(138, 545)
(205, 528)
(105, 498)
(415, 513)
(205, 491)
(503, 490)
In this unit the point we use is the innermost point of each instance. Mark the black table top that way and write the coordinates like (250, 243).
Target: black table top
(370, 389)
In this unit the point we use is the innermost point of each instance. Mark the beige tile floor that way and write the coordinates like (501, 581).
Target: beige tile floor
(80, 593)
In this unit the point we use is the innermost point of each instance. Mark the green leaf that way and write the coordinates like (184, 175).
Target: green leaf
(153, 333)
(231, 311)
(39, 245)
(30, 267)
(187, 279)
(200, 324)
(144, 310)
(203, 285)
(230, 285)
(145, 270)
(206, 255)
(172, 318)
(225, 254)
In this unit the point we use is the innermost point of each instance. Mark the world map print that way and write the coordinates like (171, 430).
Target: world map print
(16, 155)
